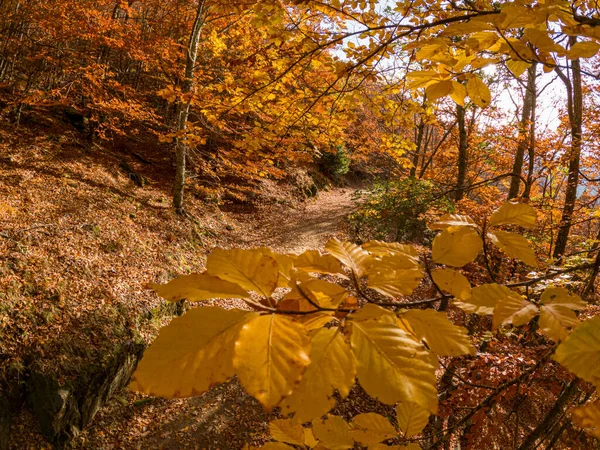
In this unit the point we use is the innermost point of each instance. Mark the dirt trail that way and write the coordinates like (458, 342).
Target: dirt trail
(226, 417)
(308, 227)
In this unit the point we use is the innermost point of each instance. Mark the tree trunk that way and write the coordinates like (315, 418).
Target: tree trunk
(531, 149)
(515, 181)
(462, 153)
(418, 144)
(183, 108)
(575, 107)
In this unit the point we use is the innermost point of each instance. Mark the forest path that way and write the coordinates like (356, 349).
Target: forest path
(226, 417)
(294, 230)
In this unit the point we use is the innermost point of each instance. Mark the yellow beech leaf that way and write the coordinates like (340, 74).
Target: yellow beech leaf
(559, 296)
(276, 446)
(394, 261)
(479, 92)
(386, 248)
(321, 292)
(515, 246)
(371, 428)
(197, 287)
(580, 351)
(585, 49)
(333, 433)
(484, 298)
(456, 246)
(284, 430)
(332, 367)
(251, 269)
(513, 309)
(373, 312)
(271, 354)
(512, 213)
(555, 319)
(351, 255)
(191, 354)
(459, 92)
(314, 261)
(438, 89)
(517, 67)
(392, 365)
(395, 283)
(442, 336)
(453, 282)
(285, 265)
(588, 417)
(412, 418)
(309, 438)
(453, 220)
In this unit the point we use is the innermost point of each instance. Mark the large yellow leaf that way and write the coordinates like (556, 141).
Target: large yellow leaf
(479, 92)
(314, 261)
(284, 430)
(515, 246)
(513, 309)
(371, 428)
(442, 336)
(271, 355)
(586, 49)
(394, 261)
(459, 92)
(321, 292)
(285, 265)
(332, 367)
(197, 287)
(395, 283)
(385, 248)
(373, 312)
(456, 246)
(580, 351)
(484, 298)
(555, 319)
(517, 67)
(559, 296)
(451, 281)
(453, 220)
(438, 89)
(512, 213)
(333, 433)
(412, 418)
(191, 354)
(588, 417)
(353, 256)
(251, 269)
(392, 365)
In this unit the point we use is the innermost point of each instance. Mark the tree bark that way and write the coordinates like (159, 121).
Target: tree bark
(531, 148)
(515, 181)
(183, 107)
(462, 153)
(575, 107)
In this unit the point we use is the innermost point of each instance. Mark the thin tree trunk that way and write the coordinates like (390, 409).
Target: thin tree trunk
(183, 108)
(462, 153)
(575, 106)
(418, 144)
(515, 181)
(531, 148)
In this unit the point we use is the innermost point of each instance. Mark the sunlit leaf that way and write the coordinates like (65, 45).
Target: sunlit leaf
(351, 255)
(513, 309)
(580, 351)
(371, 428)
(191, 354)
(442, 336)
(251, 269)
(515, 246)
(284, 430)
(588, 417)
(333, 433)
(395, 283)
(271, 355)
(197, 287)
(314, 261)
(453, 282)
(484, 298)
(452, 220)
(512, 213)
(456, 246)
(412, 418)
(479, 92)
